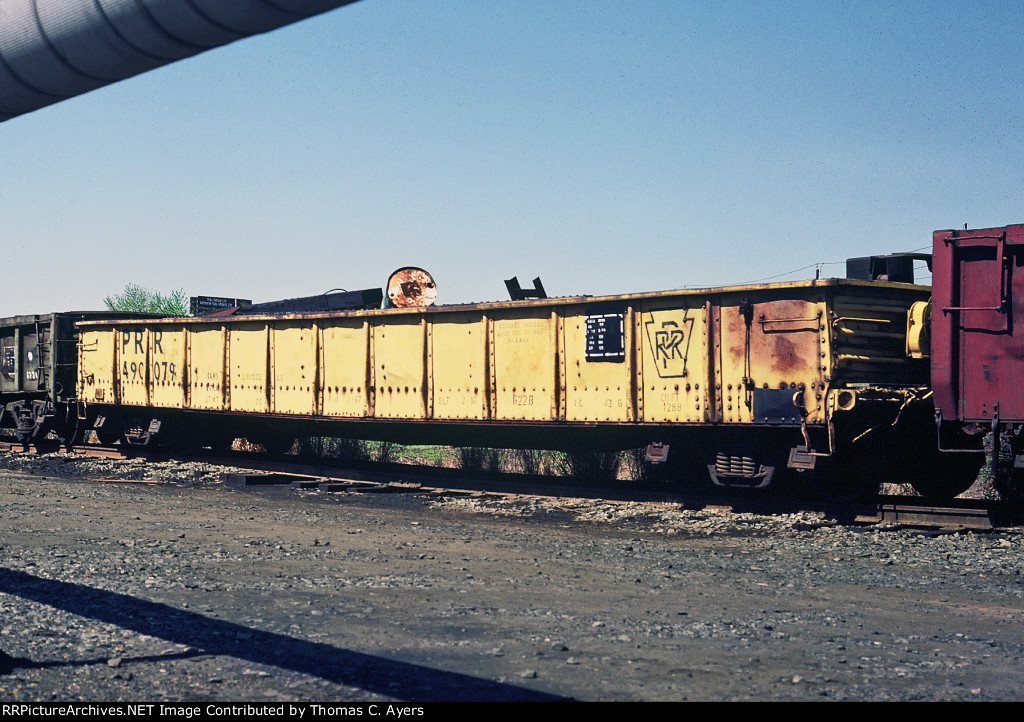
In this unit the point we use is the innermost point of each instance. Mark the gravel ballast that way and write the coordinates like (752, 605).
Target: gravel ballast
(158, 583)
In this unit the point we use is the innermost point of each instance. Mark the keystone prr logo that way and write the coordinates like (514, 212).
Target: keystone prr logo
(668, 342)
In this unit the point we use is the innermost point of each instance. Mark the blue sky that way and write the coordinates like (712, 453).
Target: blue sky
(608, 147)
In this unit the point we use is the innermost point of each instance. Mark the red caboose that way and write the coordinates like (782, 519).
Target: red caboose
(977, 328)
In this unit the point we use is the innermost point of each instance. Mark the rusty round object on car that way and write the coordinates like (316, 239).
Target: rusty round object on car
(410, 287)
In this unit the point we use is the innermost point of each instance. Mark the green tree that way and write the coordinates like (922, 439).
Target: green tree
(136, 298)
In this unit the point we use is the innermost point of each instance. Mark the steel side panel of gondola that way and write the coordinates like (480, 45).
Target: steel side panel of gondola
(768, 347)
(248, 367)
(524, 364)
(457, 363)
(293, 359)
(599, 363)
(131, 347)
(9, 366)
(345, 367)
(673, 366)
(399, 366)
(17, 336)
(207, 384)
(168, 369)
(96, 366)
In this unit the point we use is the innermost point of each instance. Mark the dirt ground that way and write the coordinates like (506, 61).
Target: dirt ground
(162, 591)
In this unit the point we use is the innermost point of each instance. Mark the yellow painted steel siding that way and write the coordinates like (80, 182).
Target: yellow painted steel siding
(294, 360)
(344, 367)
(776, 344)
(458, 366)
(597, 390)
(399, 356)
(525, 365)
(696, 357)
(206, 368)
(96, 364)
(248, 361)
(133, 365)
(168, 377)
(673, 362)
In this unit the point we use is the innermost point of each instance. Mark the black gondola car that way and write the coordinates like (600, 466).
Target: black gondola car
(38, 372)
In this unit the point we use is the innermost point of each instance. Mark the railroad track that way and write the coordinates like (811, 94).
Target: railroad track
(980, 515)
(262, 472)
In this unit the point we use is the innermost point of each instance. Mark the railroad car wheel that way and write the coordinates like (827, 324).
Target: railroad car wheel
(193, 439)
(109, 433)
(38, 437)
(686, 472)
(935, 475)
(914, 458)
(681, 469)
(66, 427)
(1009, 478)
(277, 445)
(942, 477)
(852, 473)
(69, 436)
(1011, 486)
(840, 480)
(219, 441)
(186, 439)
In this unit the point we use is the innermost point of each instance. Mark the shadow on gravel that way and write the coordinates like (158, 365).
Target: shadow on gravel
(8, 663)
(401, 680)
